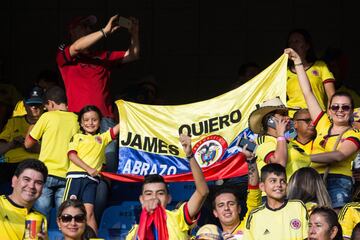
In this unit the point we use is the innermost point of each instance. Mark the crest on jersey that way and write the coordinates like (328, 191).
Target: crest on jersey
(295, 224)
(98, 139)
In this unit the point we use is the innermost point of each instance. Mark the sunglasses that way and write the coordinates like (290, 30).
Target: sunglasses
(336, 107)
(66, 218)
(307, 120)
(323, 142)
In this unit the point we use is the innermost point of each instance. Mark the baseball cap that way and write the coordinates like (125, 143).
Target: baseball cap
(35, 96)
(209, 232)
(87, 20)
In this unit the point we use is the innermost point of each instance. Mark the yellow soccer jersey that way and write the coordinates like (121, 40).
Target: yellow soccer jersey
(253, 201)
(297, 158)
(12, 219)
(55, 129)
(349, 216)
(19, 109)
(90, 149)
(16, 127)
(325, 143)
(178, 224)
(318, 75)
(307, 147)
(310, 206)
(290, 222)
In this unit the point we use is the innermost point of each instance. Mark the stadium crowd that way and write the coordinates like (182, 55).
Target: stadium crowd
(55, 142)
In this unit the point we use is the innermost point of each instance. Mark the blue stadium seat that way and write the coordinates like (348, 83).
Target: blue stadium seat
(52, 219)
(133, 190)
(55, 234)
(181, 191)
(117, 220)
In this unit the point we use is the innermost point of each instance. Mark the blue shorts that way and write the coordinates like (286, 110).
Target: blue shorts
(340, 189)
(84, 189)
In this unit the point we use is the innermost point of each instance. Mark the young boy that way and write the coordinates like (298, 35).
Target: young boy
(278, 218)
(55, 128)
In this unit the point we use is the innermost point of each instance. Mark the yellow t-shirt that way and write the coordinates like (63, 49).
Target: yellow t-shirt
(12, 219)
(253, 201)
(177, 222)
(307, 147)
(349, 216)
(297, 158)
(55, 129)
(19, 109)
(15, 127)
(290, 222)
(310, 206)
(90, 149)
(318, 75)
(325, 143)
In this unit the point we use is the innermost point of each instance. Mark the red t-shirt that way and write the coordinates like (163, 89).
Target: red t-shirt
(86, 78)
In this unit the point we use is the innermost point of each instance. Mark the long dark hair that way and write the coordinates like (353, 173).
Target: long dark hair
(88, 108)
(71, 203)
(310, 54)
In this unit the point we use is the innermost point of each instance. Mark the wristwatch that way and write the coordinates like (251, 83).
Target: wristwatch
(251, 161)
(190, 156)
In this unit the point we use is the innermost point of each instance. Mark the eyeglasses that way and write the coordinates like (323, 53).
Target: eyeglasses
(337, 107)
(307, 120)
(66, 218)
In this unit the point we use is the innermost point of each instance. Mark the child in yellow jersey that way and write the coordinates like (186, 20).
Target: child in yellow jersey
(87, 156)
(278, 218)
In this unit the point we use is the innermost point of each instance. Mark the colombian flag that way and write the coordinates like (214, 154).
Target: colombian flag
(149, 134)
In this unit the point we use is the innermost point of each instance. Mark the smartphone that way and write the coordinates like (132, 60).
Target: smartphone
(125, 22)
(271, 123)
(251, 146)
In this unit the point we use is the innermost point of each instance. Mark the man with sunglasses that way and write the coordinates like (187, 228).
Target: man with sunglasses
(12, 138)
(27, 183)
(305, 130)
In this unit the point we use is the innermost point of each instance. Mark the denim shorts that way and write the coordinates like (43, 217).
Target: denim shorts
(339, 188)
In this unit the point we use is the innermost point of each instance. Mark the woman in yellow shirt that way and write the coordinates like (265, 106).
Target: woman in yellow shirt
(320, 78)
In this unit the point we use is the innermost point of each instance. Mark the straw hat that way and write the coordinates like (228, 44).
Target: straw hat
(209, 232)
(255, 118)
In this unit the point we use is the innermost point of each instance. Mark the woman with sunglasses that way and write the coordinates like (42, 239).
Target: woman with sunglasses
(336, 143)
(71, 220)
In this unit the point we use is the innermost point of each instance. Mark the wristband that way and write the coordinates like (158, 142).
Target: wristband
(103, 33)
(280, 139)
(190, 156)
(298, 64)
(251, 161)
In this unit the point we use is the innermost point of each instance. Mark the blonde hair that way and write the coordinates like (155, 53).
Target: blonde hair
(307, 185)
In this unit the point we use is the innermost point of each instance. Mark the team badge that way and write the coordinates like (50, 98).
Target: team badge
(98, 139)
(315, 73)
(209, 149)
(295, 224)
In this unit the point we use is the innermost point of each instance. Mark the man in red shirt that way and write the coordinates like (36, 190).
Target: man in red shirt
(86, 74)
